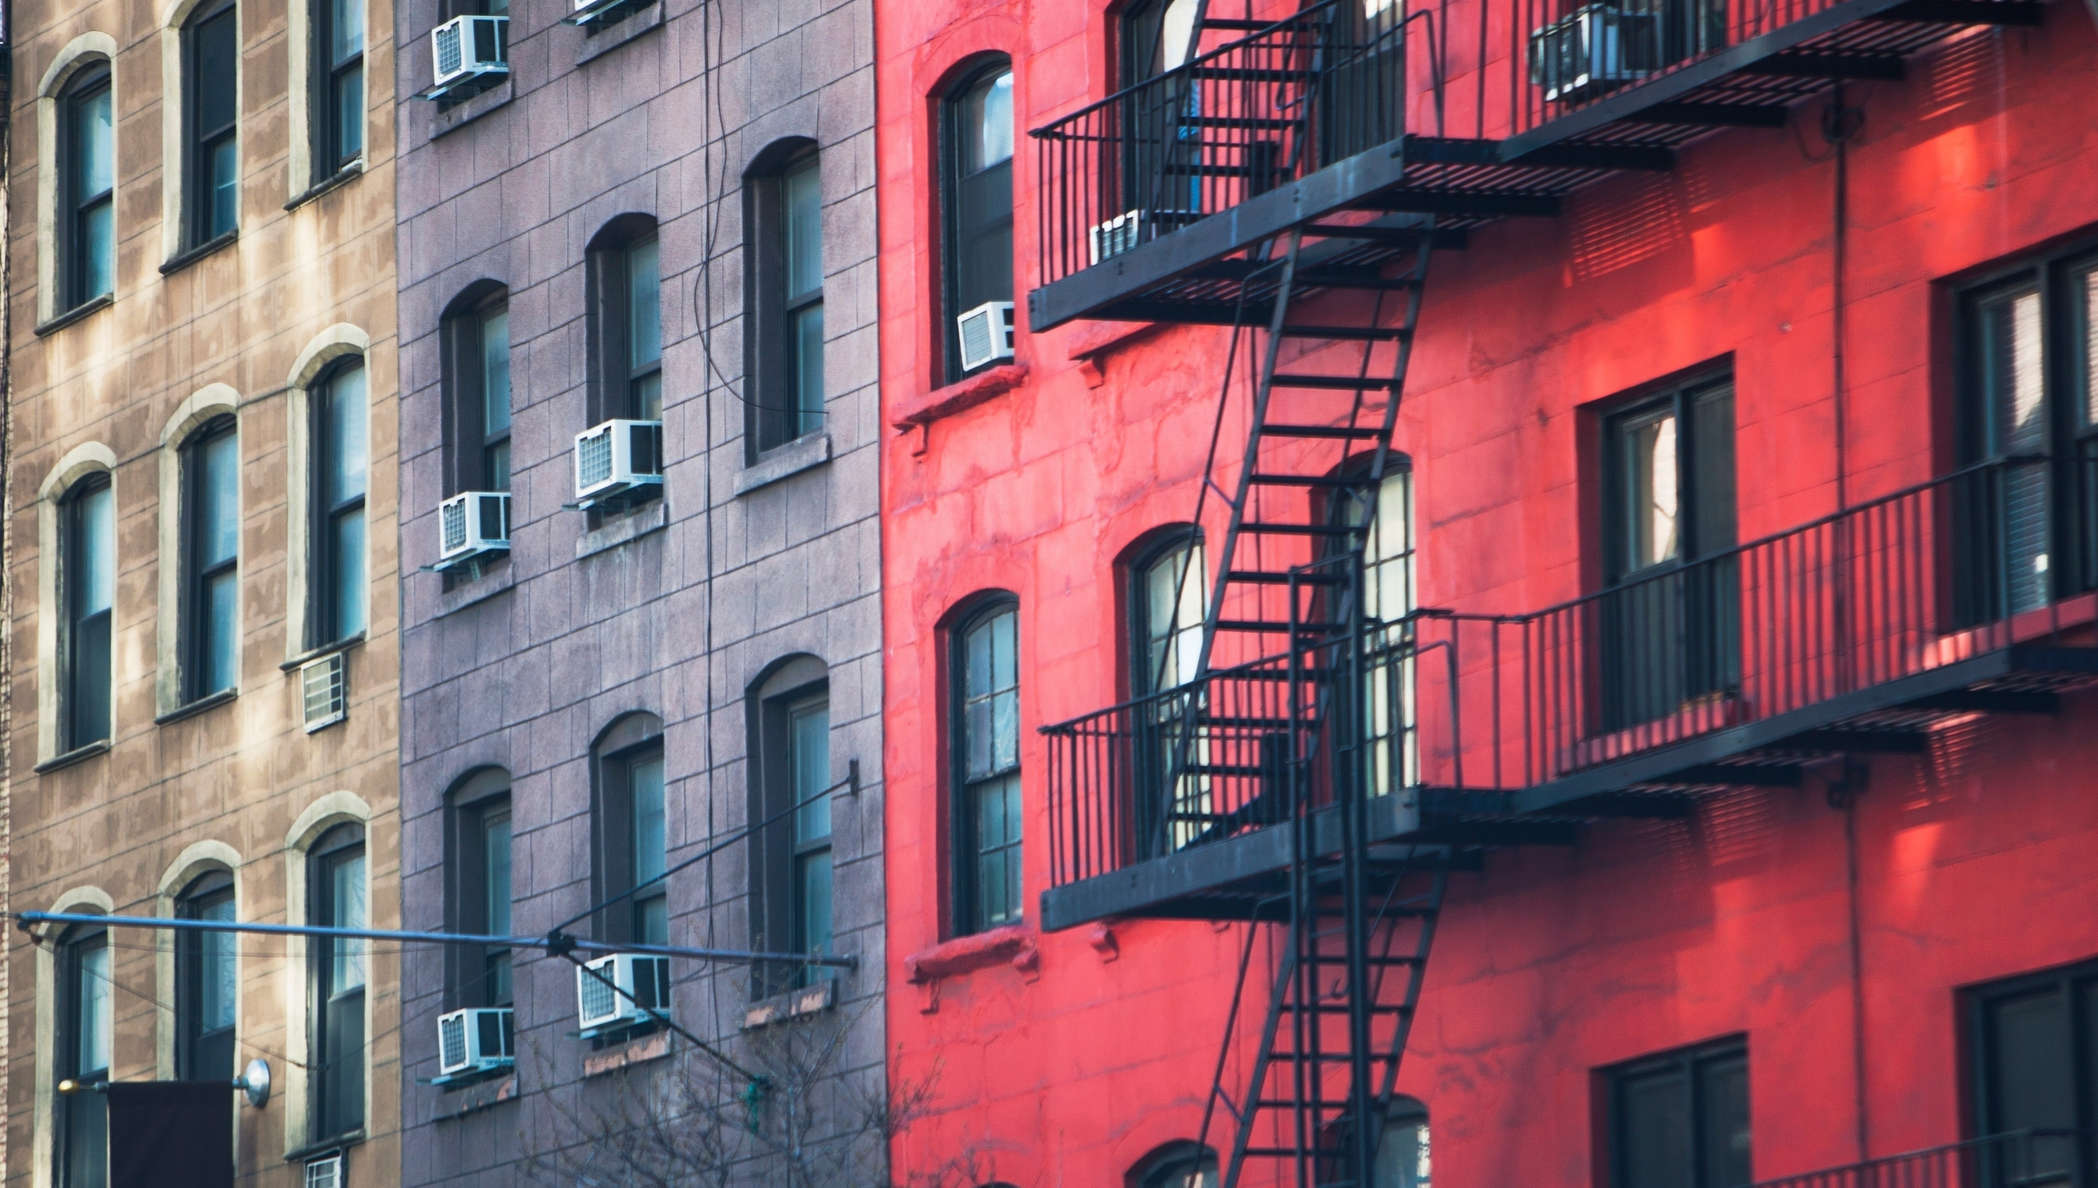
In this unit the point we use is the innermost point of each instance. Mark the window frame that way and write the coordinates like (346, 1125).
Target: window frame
(198, 575)
(87, 81)
(73, 623)
(200, 142)
(329, 117)
(327, 624)
(470, 979)
(1182, 1163)
(70, 950)
(1980, 1111)
(779, 907)
(628, 743)
(469, 443)
(778, 412)
(204, 891)
(327, 1104)
(619, 380)
(952, 184)
(969, 910)
(1685, 1062)
(1155, 833)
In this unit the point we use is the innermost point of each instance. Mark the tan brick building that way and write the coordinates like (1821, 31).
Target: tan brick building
(202, 505)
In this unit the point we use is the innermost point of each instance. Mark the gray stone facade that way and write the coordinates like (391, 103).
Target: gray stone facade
(678, 608)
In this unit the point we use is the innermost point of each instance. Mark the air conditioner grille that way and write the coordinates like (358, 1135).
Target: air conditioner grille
(449, 58)
(976, 337)
(594, 459)
(599, 1000)
(325, 691)
(454, 512)
(451, 1040)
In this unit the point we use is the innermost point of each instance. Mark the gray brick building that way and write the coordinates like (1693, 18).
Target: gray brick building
(664, 213)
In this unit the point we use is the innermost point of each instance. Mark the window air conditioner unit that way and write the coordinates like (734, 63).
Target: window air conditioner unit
(1115, 236)
(1592, 50)
(324, 691)
(986, 334)
(471, 525)
(325, 1171)
(616, 458)
(476, 1040)
(468, 54)
(644, 981)
(600, 12)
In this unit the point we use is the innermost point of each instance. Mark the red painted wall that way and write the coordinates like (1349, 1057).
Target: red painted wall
(1062, 1059)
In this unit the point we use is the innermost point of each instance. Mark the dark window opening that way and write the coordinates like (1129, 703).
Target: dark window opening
(87, 177)
(1681, 1120)
(338, 85)
(1159, 143)
(207, 990)
(630, 837)
(985, 720)
(626, 328)
(477, 405)
(336, 898)
(211, 54)
(480, 890)
(2033, 1050)
(977, 199)
(1167, 594)
(792, 880)
(211, 591)
(87, 587)
(784, 288)
(339, 458)
(83, 1055)
(1671, 610)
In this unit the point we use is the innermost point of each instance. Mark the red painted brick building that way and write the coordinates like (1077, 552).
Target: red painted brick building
(1746, 467)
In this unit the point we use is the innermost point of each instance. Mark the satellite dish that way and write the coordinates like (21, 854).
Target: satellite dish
(255, 1082)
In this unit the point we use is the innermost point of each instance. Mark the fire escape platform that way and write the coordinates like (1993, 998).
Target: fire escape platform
(1199, 269)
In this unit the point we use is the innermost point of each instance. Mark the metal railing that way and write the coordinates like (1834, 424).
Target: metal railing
(1924, 577)
(2020, 1159)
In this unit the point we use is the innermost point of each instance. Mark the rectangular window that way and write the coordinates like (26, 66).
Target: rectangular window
(2034, 1046)
(810, 729)
(338, 81)
(206, 990)
(1681, 1120)
(481, 893)
(339, 460)
(1168, 598)
(1671, 614)
(87, 577)
(211, 622)
(791, 876)
(786, 296)
(83, 1046)
(477, 370)
(978, 199)
(631, 838)
(337, 899)
(212, 57)
(89, 174)
(987, 812)
(2028, 520)
(626, 326)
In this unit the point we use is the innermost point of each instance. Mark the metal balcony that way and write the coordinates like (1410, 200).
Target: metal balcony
(1857, 634)
(1156, 201)
(2021, 1159)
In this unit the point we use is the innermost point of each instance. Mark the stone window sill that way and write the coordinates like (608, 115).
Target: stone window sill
(333, 181)
(650, 517)
(344, 644)
(784, 461)
(340, 1142)
(474, 1096)
(649, 1047)
(77, 755)
(1012, 945)
(602, 39)
(472, 108)
(188, 256)
(794, 1004)
(474, 588)
(200, 705)
(959, 396)
(76, 313)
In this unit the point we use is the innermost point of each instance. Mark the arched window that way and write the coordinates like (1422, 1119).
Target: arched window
(1155, 37)
(1402, 1156)
(976, 162)
(83, 1056)
(1168, 593)
(629, 831)
(337, 897)
(210, 559)
(626, 321)
(87, 187)
(478, 889)
(87, 590)
(1390, 596)
(211, 121)
(339, 456)
(783, 285)
(984, 721)
(476, 343)
(1176, 1165)
(790, 776)
(206, 982)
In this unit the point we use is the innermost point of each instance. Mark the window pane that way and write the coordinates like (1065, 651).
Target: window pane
(348, 103)
(91, 147)
(347, 542)
(2015, 386)
(807, 363)
(644, 305)
(803, 193)
(93, 577)
(221, 595)
(1653, 1130)
(97, 249)
(216, 62)
(1650, 488)
(495, 466)
(2085, 287)
(1402, 1157)
(811, 741)
(217, 988)
(1723, 1132)
(645, 777)
(495, 372)
(343, 470)
(814, 885)
(1005, 730)
(495, 906)
(91, 1025)
(224, 197)
(348, 910)
(218, 499)
(346, 29)
(978, 648)
(1003, 673)
(987, 123)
